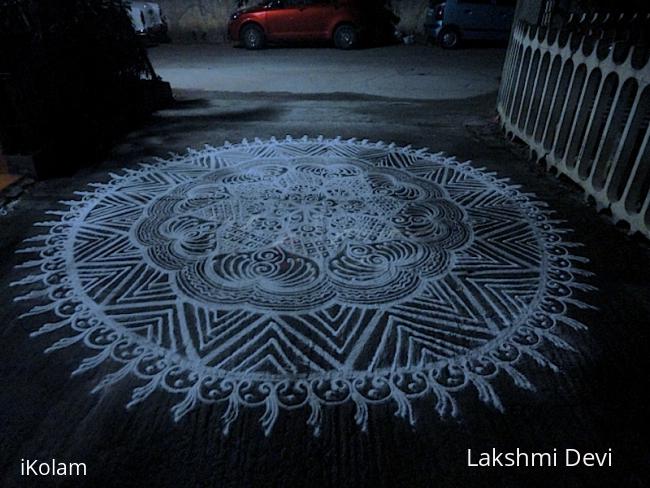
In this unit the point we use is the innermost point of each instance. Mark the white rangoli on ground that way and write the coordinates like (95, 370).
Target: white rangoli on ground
(305, 273)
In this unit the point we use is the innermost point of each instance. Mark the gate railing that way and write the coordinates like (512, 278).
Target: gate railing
(580, 100)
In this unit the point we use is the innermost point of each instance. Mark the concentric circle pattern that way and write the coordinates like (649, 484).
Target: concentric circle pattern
(305, 273)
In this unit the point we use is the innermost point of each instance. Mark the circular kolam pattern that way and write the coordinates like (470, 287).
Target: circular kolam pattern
(301, 273)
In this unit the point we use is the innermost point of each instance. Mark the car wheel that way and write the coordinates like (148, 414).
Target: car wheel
(345, 37)
(252, 36)
(449, 38)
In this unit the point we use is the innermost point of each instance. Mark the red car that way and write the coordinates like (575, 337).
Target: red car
(289, 20)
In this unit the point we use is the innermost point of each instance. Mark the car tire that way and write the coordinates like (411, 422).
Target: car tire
(346, 37)
(449, 38)
(252, 37)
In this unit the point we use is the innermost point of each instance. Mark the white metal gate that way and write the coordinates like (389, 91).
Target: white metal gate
(582, 103)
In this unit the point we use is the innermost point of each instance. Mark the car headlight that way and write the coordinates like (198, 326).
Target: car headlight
(235, 16)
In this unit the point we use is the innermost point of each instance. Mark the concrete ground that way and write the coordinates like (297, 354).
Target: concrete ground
(414, 72)
(598, 402)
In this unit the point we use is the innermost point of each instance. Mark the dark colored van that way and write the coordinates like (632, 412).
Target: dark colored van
(450, 22)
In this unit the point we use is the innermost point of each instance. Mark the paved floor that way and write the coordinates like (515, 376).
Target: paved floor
(597, 402)
(414, 72)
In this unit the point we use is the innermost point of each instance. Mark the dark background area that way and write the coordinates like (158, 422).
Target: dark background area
(72, 75)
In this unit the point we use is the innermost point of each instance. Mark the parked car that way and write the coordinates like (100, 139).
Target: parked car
(148, 20)
(452, 21)
(340, 21)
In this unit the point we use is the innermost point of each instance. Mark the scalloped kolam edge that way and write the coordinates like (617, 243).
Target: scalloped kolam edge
(165, 369)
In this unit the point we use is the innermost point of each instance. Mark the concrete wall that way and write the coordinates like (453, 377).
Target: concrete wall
(411, 14)
(206, 20)
(198, 20)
